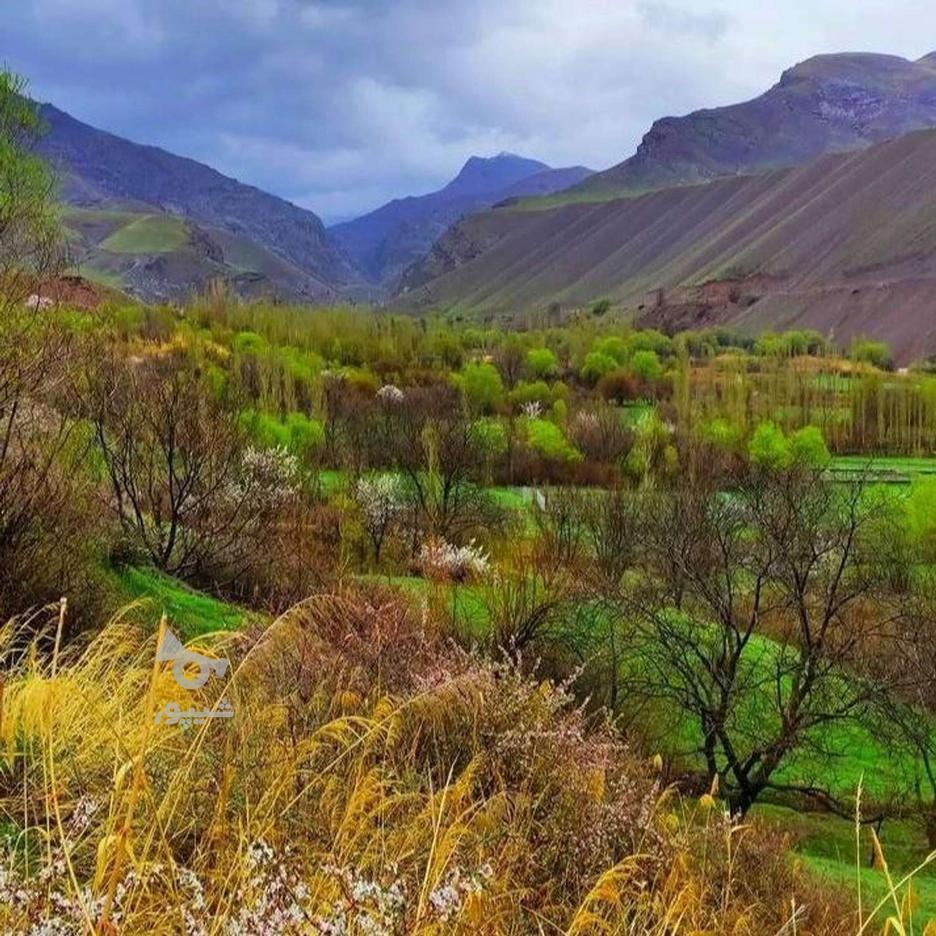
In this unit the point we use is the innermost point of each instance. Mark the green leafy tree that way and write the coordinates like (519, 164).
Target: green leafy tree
(482, 386)
(541, 362)
(615, 347)
(723, 434)
(808, 448)
(31, 243)
(548, 441)
(769, 447)
(876, 353)
(596, 365)
(646, 365)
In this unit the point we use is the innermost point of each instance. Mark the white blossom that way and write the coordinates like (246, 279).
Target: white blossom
(390, 394)
(380, 499)
(269, 477)
(441, 558)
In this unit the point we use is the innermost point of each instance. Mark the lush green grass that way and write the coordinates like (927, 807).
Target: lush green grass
(897, 468)
(190, 613)
(513, 498)
(827, 846)
(148, 234)
(101, 277)
(575, 196)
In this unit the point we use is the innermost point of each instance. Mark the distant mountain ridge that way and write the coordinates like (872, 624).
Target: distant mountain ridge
(384, 242)
(103, 172)
(845, 244)
(828, 103)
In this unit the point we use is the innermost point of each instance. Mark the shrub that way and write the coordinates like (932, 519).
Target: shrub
(646, 365)
(536, 392)
(298, 434)
(547, 440)
(769, 447)
(808, 448)
(596, 365)
(482, 387)
(615, 347)
(876, 353)
(618, 386)
(358, 734)
(650, 340)
(541, 362)
(723, 434)
(489, 436)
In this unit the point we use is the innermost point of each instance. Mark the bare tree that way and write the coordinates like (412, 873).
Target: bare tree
(430, 440)
(911, 707)
(755, 616)
(174, 458)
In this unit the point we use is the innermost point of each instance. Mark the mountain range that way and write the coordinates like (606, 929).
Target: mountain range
(386, 241)
(829, 103)
(813, 204)
(709, 211)
(162, 226)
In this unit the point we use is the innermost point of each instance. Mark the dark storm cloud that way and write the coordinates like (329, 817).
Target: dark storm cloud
(342, 105)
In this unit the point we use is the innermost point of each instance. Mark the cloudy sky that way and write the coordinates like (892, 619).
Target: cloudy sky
(340, 105)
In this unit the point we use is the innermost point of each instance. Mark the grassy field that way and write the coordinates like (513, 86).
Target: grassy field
(827, 845)
(893, 469)
(148, 234)
(190, 613)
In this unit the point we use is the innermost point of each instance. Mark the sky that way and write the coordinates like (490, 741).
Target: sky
(341, 105)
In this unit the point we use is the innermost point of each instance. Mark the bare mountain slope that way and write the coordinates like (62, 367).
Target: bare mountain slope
(292, 253)
(829, 103)
(846, 244)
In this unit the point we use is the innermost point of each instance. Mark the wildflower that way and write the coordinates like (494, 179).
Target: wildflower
(440, 558)
(380, 499)
(388, 393)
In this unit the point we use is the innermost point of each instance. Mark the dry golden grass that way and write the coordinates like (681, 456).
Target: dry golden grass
(373, 780)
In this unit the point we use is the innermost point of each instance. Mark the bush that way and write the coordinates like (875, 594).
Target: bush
(482, 387)
(596, 365)
(618, 386)
(547, 440)
(489, 436)
(541, 362)
(808, 448)
(386, 741)
(614, 346)
(536, 392)
(298, 434)
(724, 435)
(769, 447)
(646, 365)
(875, 353)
